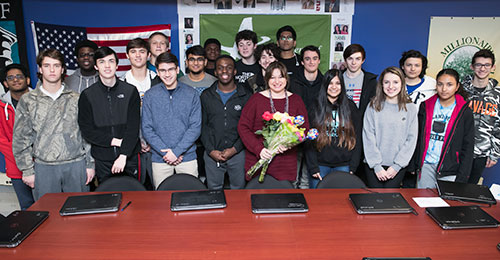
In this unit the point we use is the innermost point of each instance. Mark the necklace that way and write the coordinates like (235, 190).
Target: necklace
(273, 109)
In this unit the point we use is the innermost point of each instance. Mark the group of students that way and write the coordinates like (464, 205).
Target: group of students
(403, 129)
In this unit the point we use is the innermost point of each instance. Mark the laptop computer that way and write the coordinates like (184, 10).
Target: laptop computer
(461, 217)
(397, 258)
(91, 204)
(197, 200)
(19, 225)
(380, 203)
(279, 203)
(465, 191)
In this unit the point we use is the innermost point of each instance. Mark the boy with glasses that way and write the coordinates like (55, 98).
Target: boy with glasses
(85, 75)
(287, 40)
(17, 81)
(196, 61)
(484, 101)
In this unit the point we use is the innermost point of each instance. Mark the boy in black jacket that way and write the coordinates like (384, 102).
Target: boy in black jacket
(109, 118)
(221, 109)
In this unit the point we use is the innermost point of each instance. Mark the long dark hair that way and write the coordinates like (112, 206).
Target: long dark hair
(451, 72)
(322, 114)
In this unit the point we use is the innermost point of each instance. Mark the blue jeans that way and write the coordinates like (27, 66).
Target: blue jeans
(323, 171)
(24, 193)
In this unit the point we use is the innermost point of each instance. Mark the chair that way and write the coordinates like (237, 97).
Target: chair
(269, 183)
(181, 181)
(121, 183)
(341, 180)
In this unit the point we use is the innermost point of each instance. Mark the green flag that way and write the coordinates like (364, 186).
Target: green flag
(311, 30)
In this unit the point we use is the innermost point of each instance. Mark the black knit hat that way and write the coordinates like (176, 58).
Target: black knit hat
(85, 43)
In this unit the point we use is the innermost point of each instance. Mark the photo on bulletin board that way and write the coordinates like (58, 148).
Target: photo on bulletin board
(339, 46)
(188, 22)
(189, 38)
(340, 65)
(307, 4)
(337, 29)
(249, 3)
(223, 4)
(332, 6)
(278, 5)
(345, 29)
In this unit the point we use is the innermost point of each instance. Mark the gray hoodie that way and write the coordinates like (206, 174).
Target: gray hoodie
(77, 82)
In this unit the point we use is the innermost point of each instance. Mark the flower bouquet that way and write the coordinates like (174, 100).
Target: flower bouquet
(280, 129)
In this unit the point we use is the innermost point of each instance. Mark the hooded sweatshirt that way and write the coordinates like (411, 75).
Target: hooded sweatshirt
(7, 115)
(77, 82)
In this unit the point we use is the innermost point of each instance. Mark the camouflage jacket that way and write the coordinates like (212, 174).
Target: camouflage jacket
(47, 131)
(485, 107)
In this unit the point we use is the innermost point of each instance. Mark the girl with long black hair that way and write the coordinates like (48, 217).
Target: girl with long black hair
(337, 119)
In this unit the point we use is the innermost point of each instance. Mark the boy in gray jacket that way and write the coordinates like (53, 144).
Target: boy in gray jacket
(47, 143)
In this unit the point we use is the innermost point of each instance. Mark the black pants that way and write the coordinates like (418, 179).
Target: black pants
(373, 182)
(478, 165)
(409, 180)
(103, 169)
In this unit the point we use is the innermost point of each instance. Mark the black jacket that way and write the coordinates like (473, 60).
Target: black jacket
(256, 83)
(367, 91)
(309, 93)
(220, 122)
(105, 113)
(458, 148)
(333, 155)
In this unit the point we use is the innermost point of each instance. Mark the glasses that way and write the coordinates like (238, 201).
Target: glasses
(479, 65)
(83, 55)
(12, 77)
(289, 38)
(201, 59)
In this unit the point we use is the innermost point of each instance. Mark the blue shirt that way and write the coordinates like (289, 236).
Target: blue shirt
(440, 119)
(410, 88)
(225, 96)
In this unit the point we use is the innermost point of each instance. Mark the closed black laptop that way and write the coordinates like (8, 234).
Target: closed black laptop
(196, 200)
(397, 258)
(91, 204)
(465, 192)
(461, 217)
(279, 203)
(19, 225)
(379, 203)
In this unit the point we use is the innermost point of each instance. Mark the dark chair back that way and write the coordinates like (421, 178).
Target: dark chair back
(341, 180)
(269, 183)
(121, 183)
(181, 181)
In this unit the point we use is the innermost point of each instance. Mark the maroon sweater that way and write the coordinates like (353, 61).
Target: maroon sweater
(283, 166)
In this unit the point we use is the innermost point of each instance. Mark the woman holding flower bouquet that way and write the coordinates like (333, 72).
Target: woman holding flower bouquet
(275, 98)
(338, 146)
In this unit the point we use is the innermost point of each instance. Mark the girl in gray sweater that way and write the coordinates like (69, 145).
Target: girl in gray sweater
(390, 129)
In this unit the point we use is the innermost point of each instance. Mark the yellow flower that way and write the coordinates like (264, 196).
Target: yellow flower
(277, 116)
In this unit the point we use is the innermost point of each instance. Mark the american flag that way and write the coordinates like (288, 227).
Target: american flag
(64, 39)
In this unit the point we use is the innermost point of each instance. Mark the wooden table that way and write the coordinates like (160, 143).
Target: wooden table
(331, 229)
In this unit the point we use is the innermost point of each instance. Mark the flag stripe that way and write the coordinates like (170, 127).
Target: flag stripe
(132, 29)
